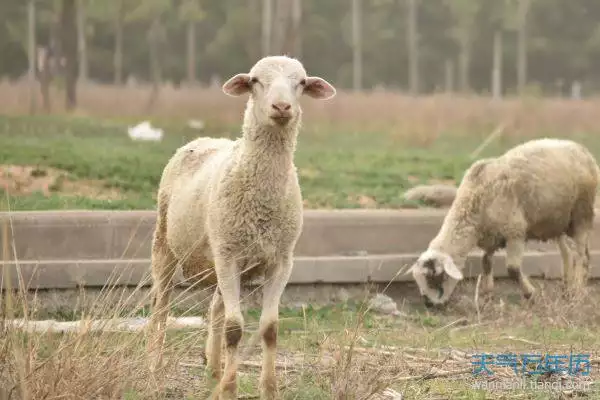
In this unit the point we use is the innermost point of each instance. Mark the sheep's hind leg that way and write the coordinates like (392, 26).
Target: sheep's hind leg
(215, 335)
(163, 269)
(275, 281)
(582, 264)
(487, 286)
(582, 221)
(567, 261)
(514, 259)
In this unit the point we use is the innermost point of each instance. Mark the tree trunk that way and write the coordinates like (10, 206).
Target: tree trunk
(282, 31)
(286, 31)
(464, 63)
(155, 65)
(449, 76)
(522, 45)
(81, 41)
(49, 62)
(191, 52)
(497, 66)
(278, 28)
(413, 49)
(357, 45)
(69, 50)
(31, 52)
(45, 71)
(267, 26)
(118, 55)
(297, 28)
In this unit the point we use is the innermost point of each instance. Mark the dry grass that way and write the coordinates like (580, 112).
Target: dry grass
(420, 120)
(339, 352)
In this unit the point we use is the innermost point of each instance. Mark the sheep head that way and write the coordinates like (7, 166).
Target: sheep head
(275, 85)
(436, 275)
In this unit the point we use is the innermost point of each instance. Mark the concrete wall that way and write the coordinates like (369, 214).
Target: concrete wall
(69, 249)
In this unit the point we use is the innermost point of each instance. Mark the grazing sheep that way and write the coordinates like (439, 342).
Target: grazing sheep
(230, 211)
(540, 190)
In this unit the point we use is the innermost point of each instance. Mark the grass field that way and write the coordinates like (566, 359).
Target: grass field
(358, 150)
(342, 351)
(355, 151)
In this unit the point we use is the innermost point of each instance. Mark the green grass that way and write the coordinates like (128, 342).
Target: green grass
(336, 168)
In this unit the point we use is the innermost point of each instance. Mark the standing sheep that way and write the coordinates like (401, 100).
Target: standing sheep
(229, 211)
(540, 190)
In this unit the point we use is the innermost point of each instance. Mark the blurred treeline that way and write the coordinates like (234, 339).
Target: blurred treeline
(414, 45)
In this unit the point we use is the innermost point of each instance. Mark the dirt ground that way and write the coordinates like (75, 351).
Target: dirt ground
(19, 180)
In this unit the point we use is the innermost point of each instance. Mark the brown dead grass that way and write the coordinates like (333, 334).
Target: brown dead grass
(424, 355)
(421, 119)
(18, 180)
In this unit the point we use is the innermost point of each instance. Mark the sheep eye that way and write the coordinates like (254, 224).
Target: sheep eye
(303, 82)
(254, 80)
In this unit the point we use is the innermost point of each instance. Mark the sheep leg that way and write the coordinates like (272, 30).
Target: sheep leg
(228, 277)
(163, 269)
(215, 335)
(581, 267)
(514, 259)
(567, 265)
(488, 277)
(275, 282)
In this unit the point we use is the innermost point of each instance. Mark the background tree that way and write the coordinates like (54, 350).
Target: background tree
(191, 13)
(465, 13)
(413, 47)
(68, 26)
(455, 37)
(82, 40)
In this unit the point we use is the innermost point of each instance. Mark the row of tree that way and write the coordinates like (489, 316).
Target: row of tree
(415, 45)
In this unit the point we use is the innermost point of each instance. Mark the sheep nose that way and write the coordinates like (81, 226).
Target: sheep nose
(281, 106)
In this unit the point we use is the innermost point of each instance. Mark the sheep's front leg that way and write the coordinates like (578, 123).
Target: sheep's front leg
(514, 259)
(228, 276)
(275, 281)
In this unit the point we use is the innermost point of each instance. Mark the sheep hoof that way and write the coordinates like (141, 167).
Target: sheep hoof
(487, 297)
(269, 391)
(432, 306)
(427, 302)
(529, 297)
(514, 274)
(566, 288)
(212, 374)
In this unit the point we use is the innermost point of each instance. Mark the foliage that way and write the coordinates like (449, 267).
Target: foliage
(562, 35)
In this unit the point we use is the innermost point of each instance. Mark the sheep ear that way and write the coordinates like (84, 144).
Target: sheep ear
(318, 88)
(451, 269)
(237, 85)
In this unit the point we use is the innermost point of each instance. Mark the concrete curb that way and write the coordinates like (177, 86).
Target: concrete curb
(69, 249)
(98, 235)
(70, 274)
